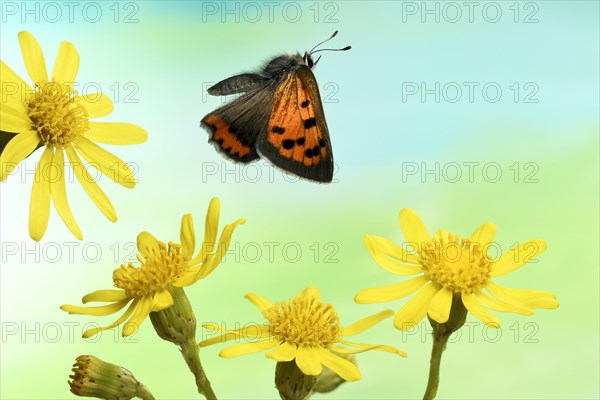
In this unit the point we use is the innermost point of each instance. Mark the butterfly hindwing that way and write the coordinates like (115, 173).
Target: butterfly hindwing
(237, 84)
(296, 137)
(235, 127)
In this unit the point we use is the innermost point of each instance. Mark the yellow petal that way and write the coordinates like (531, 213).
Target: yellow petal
(126, 314)
(366, 323)
(90, 186)
(528, 298)
(224, 334)
(147, 244)
(224, 243)
(212, 260)
(13, 89)
(310, 292)
(415, 309)
(501, 306)
(188, 236)
(365, 347)
(484, 235)
(117, 133)
(66, 64)
(187, 278)
(285, 352)
(162, 300)
(33, 57)
(439, 308)
(13, 120)
(139, 315)
(109, 164)
(105, 296)
(388, 293)
(260, 302)
(39, 207)
(414, 229)
(307, 359)
(254, 331)
(97, 105)
(247, 348)
(479, 312)
(344, 368)
(99, 311)
(215, 327)
(16, 150)
(211, 226)
(223, 337)
(388, 255)
(59, 195)
(518, 256)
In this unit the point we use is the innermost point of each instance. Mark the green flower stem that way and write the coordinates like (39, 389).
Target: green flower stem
(144, 394)
(177, 324)
(439, 345)
(441, 334)
(192, 358)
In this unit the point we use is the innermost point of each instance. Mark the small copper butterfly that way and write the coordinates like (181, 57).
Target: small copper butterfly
(280, 116)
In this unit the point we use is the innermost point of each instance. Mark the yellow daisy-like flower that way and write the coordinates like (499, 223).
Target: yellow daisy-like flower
(163, 266)
(303, 329)
(54, 116)
(449, 266)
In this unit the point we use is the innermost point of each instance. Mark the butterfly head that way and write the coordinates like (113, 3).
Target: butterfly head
(308, 60)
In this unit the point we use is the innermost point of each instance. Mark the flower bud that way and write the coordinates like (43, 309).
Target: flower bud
(291, 383)
(95, 378)
(176, 324)
(457, 318)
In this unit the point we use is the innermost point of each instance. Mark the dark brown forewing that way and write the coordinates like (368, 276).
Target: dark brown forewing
(235, 127)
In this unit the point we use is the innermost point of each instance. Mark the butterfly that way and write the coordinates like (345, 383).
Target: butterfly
(279, 116)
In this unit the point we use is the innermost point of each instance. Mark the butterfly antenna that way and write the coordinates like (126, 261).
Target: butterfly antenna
(326, 40)
(344, 49)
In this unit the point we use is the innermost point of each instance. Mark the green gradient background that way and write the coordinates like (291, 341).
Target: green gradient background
(170, 53)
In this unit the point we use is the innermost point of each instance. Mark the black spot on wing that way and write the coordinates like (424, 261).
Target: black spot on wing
(309, 123)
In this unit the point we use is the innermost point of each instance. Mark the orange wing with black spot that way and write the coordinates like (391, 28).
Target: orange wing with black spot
(229, 140)
(297, 138)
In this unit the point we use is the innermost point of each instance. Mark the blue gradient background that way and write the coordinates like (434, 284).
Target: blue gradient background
(175, 51)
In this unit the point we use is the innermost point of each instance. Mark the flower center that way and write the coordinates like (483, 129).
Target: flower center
(304, 321)
(158, 270)
(454, 263)
(56, 114)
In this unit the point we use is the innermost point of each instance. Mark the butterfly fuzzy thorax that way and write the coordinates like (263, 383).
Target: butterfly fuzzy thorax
(279, 116)
(283, 64)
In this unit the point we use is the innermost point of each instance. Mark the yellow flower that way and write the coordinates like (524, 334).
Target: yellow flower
(163, 267)
(55, 116)
(303, 329)
(450, 266)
